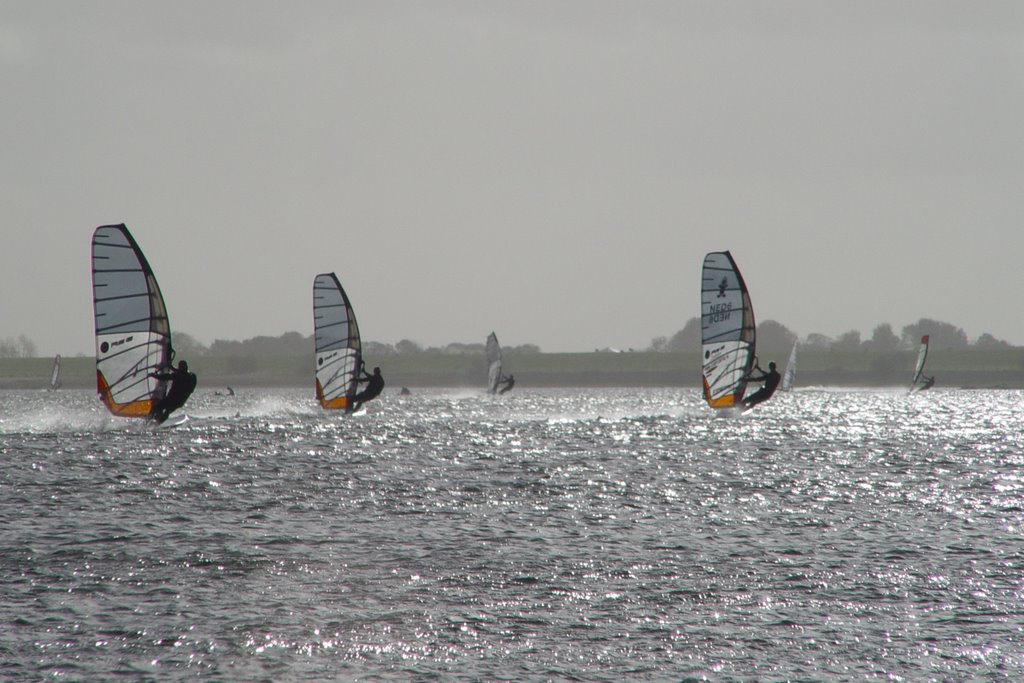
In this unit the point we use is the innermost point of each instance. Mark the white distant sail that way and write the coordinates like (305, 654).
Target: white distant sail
(728, 334)
(338, 349)
(133, 335)
(493, 363)
(790, 375)
(920, 381)
(55, 374)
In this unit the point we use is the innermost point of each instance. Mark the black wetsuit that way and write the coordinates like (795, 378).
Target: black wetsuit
(509, 383)
(374, 385)
(771, 383)
(183, 383)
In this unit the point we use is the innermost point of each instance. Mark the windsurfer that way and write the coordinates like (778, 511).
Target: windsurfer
(374, 385)
(509, 382)
(183, 383)
(771, 381)
(929, 382)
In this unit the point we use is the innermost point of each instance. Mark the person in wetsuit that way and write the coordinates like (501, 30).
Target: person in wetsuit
(771, 381)
(183, 383)
(374, 385)
(509, 382)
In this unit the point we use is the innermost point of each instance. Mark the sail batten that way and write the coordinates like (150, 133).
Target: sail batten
(338, 348)
(133, 335)
(728, 334)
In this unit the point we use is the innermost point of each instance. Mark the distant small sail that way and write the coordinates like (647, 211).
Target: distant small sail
(728, 333)
(133, 335)
(493, 363)
(55, 374)
(338, 348)
(922, 357)
(789, 377)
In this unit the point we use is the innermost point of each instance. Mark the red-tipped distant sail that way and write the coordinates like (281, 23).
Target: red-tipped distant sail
(133, 335)
(728, 335)
(337, 345)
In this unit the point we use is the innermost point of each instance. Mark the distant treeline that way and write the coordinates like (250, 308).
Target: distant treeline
(22, 347)
(774, 338)
(295, 344)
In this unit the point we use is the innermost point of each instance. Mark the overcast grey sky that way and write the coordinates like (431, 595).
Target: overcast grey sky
(554, 171)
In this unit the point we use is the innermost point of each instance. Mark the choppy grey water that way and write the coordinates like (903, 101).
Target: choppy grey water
(542, 535)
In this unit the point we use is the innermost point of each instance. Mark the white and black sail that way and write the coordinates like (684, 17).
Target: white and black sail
(133, 335)
(338, 349)
(789, 376)
(920, 381)
(728, 333)
(55, 380)
(493, 351)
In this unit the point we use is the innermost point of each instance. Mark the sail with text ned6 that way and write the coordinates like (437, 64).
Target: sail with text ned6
(338, 349)
(133, 334)
(728, 334)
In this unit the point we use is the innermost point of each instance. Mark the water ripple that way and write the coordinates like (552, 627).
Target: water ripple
(569, 535)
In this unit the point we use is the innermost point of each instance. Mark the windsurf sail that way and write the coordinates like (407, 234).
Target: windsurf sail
(493, 363)
(55, 374)
(133, 335)
(789, 376)
(728, 333)
(922, 356)
(338, 349)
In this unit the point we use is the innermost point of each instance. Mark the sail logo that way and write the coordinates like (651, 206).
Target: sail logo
(106, 346)
(722, 286)
(718, 313)
(323, 359)
(714, 352)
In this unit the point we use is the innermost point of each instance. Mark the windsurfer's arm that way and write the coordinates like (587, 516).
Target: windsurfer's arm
(751, 377)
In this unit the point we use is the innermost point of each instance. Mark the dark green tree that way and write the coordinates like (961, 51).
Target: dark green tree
(883, 339)
(688, 338)
(847, 341)
(987, 341)
(941, 335)
(408, 346)
(818, 342)
(774, 338)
